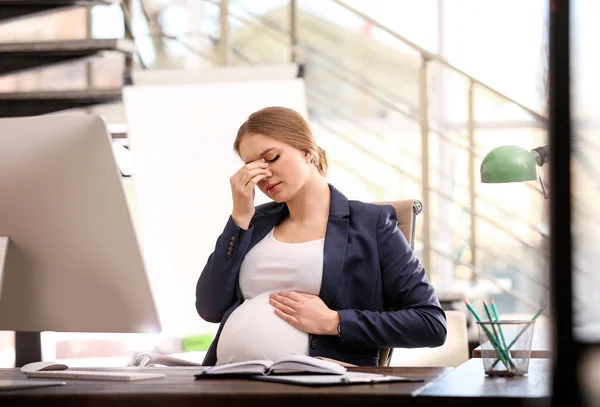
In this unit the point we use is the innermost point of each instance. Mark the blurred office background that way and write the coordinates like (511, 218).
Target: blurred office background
(405, 96)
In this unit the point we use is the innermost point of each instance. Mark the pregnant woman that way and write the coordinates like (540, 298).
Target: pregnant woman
(311, 273)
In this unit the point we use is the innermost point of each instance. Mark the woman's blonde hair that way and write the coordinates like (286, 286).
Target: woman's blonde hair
(285, 125)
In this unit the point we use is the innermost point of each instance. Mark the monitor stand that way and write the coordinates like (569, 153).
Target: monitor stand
(28, 345)
(28, 348)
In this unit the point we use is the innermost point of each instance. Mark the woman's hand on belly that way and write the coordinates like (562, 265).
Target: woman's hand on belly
(306, 312)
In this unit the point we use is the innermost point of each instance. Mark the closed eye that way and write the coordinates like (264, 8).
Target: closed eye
(274, 159)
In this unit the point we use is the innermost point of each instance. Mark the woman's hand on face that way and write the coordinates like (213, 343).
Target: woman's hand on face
(242, 190)
(306, 312)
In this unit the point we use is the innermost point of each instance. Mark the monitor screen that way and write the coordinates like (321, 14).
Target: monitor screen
(73, 263)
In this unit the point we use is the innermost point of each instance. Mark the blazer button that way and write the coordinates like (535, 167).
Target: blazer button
(313, 344)
(232, 239)
(229, 253)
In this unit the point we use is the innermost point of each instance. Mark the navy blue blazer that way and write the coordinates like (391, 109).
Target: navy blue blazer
(370, 276)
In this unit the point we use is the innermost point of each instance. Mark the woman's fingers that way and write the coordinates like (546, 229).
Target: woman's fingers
(291, 295)
(250, 175)
(258, 164)
(284, 299)
(252, 183)
(282, 307)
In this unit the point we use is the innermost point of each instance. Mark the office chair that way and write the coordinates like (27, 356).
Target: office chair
(406, 213)
(454, 352)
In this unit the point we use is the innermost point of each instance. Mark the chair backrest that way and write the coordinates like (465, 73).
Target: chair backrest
(406, 213)
(454, 352)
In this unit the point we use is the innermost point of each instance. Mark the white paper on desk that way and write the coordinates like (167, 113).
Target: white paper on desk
(347, 378)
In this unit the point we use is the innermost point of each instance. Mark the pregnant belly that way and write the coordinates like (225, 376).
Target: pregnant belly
(253, 331)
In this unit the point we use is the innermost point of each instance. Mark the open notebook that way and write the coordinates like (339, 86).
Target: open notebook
(290, 364)
(348, 378)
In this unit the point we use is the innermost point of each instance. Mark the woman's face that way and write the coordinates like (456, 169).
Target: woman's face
(289, 167)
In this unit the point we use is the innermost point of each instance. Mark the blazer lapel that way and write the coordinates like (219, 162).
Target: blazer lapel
(336, 243)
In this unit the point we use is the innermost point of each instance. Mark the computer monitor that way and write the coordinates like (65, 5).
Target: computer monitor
(72, 262)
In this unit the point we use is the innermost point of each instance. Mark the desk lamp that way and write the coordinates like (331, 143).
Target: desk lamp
(514, 164)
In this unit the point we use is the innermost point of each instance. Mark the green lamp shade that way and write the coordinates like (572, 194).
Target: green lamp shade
(509, 164)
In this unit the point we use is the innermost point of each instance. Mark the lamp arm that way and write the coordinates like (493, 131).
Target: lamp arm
(542, 156)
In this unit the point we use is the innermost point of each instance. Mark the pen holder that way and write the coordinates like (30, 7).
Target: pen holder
(505, 346)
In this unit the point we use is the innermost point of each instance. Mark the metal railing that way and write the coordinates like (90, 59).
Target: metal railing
(421, 116)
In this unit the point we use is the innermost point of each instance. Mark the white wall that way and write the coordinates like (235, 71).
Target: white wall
(181, 137)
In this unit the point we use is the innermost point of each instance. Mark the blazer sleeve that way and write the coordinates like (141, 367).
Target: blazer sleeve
(416, 318)
(217, 286)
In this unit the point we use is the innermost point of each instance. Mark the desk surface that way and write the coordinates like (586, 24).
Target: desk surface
(540, 345)
(469, 381)
(465, 385)
(180, 389)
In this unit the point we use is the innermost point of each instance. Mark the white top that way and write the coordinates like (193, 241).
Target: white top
(253, 330)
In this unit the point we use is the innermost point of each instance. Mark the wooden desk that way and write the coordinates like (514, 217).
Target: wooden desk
(468, 385)
(540, 345)
(465, 385)
(180, 389)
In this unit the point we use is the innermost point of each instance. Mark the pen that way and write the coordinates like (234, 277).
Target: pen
(495, 311)
(357, 380)
(489, 315)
